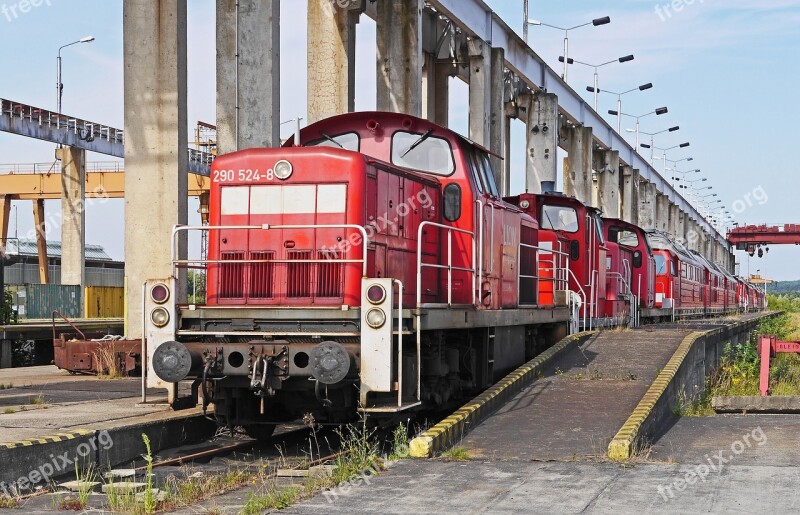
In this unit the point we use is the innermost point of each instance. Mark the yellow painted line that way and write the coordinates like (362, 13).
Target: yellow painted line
(58, 437)
(622, 445)
(450, 430)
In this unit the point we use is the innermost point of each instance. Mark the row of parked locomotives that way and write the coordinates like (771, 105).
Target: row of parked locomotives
(373, 266)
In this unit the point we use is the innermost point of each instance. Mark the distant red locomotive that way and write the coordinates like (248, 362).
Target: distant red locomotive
(375, 267)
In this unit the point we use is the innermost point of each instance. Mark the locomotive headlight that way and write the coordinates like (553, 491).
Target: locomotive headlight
(376, 294)
(159, 316)
(159, 293)
(283, 169)
(376, 318)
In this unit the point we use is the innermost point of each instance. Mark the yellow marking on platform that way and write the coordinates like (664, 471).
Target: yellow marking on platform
(58, 437)
(450, 430)
(622, 445)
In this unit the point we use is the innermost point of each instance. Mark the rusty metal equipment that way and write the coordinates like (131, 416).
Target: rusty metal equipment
(769, 347)
(92, 353)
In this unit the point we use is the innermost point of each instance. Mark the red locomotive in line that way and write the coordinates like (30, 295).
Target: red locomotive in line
(375, 267)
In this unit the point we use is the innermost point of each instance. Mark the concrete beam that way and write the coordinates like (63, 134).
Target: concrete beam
(399, 56)
(647, 205)
(73, 215)
(662, 212)
(156, 131)
(541, 142)
(41, 240)
(608, 184)
(630, 194)
(578, 180)
(248, 74)
(331, 59)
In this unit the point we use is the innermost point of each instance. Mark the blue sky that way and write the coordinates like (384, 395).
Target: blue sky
(726, 70)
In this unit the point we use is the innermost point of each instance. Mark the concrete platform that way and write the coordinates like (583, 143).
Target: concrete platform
(582, 400)
(48, 413)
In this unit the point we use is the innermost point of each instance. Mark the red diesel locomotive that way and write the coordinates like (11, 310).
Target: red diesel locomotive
(375, 267)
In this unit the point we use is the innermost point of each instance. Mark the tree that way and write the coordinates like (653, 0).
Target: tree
(196, 282)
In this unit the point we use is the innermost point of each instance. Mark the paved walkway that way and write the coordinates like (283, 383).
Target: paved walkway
(581, 402)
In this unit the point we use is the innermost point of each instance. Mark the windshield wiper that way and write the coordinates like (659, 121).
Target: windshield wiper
(418, 142)
(331, 140)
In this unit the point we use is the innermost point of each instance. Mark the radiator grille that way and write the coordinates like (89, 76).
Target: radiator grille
(231, 276)
(298, 275)
(261, 275)
(330, 276)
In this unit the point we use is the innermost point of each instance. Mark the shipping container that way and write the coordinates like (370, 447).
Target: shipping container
(103, 302)
(42, 299)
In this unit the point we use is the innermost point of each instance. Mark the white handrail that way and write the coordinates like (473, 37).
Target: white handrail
(449, 266)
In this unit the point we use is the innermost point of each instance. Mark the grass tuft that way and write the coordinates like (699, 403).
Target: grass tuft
(456, 453)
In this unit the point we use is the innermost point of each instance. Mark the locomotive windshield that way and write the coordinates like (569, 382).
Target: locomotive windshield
(559, 218)
(347, 141)
(422, 152)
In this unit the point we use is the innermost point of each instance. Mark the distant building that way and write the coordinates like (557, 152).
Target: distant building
(22, 264)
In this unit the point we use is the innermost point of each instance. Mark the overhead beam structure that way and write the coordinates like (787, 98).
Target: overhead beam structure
(35, 122)
(478, 20)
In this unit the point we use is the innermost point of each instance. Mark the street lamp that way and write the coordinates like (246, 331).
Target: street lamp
(59, 85)
(596, 89)
(653, 135)
(618, 114)
(596, 22)
(664, 155)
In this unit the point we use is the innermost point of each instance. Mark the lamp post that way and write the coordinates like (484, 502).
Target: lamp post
(653, 135)
(597, 90)
(619, 114)
(596, 22)
(59, 85)
(664, 155)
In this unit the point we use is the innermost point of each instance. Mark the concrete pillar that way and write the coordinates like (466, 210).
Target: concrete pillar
(436, 89)
(399, 56)
(608, 181)
(41, 240)
(674, 213)
(505, 184)
(541, 142)
(497, 119)
(662, 212)
(647, 205)
(630, 194)
(578, 166)
(692, 235)
(480, 91)
(681, 226)
(331, 59)
(156, 135)
(73, 215)
(248, 74)
(5, 353)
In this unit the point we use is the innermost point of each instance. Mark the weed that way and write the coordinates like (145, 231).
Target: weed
(149, 500)
(10, 503)
(107, 361)
(4, 386)
(400, 449)
(38, 400)
(457, 453)
(273, 499)
(9, 410)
